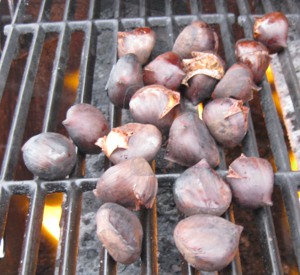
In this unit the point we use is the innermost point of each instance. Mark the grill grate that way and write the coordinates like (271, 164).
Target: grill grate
(100, 29)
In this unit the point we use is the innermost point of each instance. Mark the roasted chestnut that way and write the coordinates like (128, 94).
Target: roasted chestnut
(202, 73)
(190, 141)
(226, 120)
(198, 36)
(130, 183)
(139, 41)
(236, 83)
(131, 140)
(271, 30)
(166, 70)
(85, 124)
(155, 104)
(255, 55)
(120, 232)
(208, 243)
(49, 156)
(125, 79)
(251, 180)
(200, 190)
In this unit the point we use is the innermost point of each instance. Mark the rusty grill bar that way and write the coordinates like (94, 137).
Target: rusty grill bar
(100, 25)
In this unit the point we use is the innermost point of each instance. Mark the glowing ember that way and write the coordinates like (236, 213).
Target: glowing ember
(293, 161)
(71, 80)
(200, 110)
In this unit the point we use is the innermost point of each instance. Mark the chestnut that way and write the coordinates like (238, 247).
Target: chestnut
(207, 242)
(155, 104)
(202, 73)
(190, 141)
(49, 156)
(125, 79)
(198, 36)
(226, 120)
(85, 124)
(271, 30)
(200, 190)
(130, 183)
(166, 69)
(120, 232)
(236, 83)
(139, 41)
(255, 55)
(251, 180)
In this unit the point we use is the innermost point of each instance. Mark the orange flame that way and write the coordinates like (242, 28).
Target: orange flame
(71, 80)
(200, 110)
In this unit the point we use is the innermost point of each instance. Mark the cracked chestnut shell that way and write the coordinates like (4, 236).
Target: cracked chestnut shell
(200, 190)
(198, 36)
(125, 79)
(49, 156)
(85, 124)
(251, 180)
(271, 30)
(131, 140)
(120, 232)
(139, 41)
(206, 242)
(130, 183)
(190, 141)
(226, 120)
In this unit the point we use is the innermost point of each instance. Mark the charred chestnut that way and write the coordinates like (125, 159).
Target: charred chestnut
(139, 41)
(85, 124)
(200, 190)
(166, 70)
(271, 30)
(207, 242)
(125, 79)
(251, 180)
(130, 183)
(131, 140)
(49, 156)
(120, 232)
(198, 36)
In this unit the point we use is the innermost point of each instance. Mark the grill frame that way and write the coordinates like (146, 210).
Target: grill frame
(74, 187)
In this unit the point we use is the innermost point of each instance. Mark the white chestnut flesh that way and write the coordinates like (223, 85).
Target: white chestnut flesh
(85, 124)
(198, 36)
(206, 242)
(130, 183)
(226, 120)
(190, 141)
(155, 104)
(200, 190)
(125, 79)
(139, 41)
(120, 232)
(131, 140)
(49, 156)
(251, 180)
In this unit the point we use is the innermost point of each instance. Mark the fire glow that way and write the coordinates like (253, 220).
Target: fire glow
(200, 110)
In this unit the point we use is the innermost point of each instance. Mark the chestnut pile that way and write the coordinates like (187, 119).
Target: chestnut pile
(154, 96)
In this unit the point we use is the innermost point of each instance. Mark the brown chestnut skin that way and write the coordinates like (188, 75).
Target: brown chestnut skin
(130, 183)
(200, 190)
(271, 30)
(198, 36)
(49, 156)
(125, 79)
(166, 69)
(207, 242)
(190, 141)
(120, 232)
(131, 140)
(85, 124)
(236, 83)
(155, 104)
(226, 120)
(251, 180)
(139, 41)
(255, 55)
